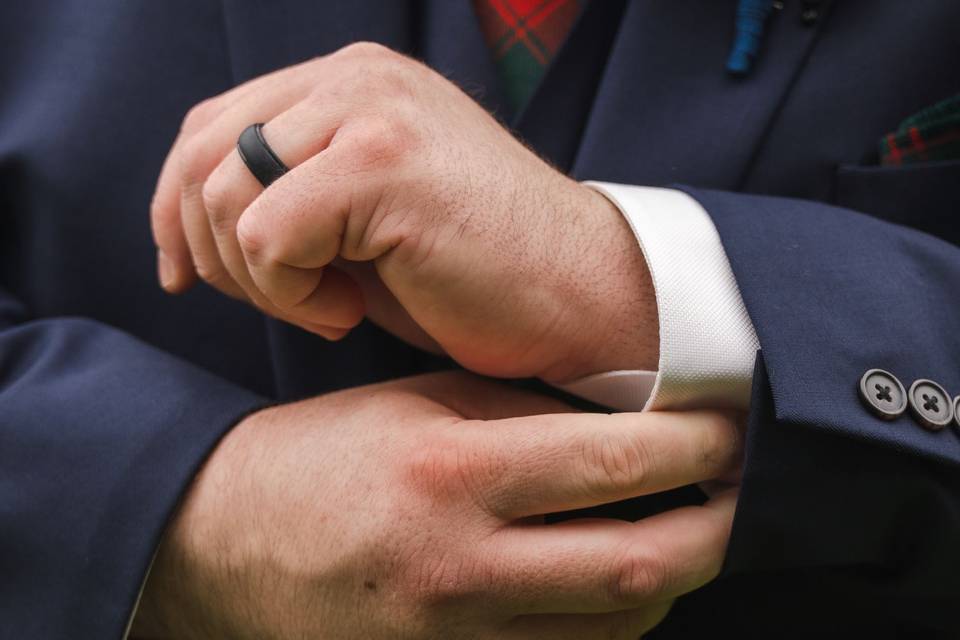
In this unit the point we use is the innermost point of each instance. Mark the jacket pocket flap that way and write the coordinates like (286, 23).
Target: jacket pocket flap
(922, 196)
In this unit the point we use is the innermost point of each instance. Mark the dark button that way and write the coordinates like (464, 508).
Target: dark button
(809, 17)
(930, 404)
(956, 411)
(809, 12)
(883, 394)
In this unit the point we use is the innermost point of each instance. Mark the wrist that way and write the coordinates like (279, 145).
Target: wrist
(185, 591)
(612, 321)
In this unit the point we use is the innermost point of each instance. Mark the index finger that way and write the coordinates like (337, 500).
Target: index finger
(548, 463)
(174, 265)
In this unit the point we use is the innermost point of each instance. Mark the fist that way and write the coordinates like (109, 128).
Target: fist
(408, 203)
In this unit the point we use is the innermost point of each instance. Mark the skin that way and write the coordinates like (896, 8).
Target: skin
(408, 203)
(412, 510)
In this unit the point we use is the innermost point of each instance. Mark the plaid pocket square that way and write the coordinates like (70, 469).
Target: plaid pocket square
(929, 135)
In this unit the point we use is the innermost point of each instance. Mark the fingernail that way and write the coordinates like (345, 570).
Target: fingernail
(165, 269)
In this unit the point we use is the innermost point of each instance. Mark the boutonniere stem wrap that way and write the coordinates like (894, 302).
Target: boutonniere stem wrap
(751, 19)
(752, 16)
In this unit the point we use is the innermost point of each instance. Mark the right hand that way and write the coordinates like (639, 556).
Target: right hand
(412, 510)
(408, 202)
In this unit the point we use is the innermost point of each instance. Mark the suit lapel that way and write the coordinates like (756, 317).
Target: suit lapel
(264, 35)
(666, 111)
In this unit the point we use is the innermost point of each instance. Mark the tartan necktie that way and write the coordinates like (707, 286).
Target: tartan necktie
(523, 36)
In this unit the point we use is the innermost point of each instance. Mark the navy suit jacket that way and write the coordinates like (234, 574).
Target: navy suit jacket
(112, 393)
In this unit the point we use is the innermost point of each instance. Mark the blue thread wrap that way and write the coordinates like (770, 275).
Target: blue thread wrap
(751, 18)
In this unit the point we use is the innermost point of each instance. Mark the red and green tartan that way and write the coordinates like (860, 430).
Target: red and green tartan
(930, 135)
(523, 36)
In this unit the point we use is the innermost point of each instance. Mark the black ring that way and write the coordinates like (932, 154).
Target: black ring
(258, 156)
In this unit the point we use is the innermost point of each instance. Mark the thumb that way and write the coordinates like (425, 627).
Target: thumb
(383, 308)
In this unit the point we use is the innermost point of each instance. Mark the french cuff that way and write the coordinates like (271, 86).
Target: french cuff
(707, 342)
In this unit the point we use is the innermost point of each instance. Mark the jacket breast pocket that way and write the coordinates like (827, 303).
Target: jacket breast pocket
(922, 196)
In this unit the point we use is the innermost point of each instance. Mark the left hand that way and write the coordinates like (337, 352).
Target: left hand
(411, 510)
(443, 227)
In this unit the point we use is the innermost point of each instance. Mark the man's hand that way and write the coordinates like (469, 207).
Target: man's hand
(411, 510)
(454, 235)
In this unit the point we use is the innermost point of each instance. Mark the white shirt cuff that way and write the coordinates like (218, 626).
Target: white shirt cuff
(707, 342)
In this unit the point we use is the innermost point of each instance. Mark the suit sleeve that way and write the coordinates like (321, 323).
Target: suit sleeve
(827, 486)
(99, 436)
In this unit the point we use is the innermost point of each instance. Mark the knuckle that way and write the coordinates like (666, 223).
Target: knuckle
(615, 462)
(365, 48)
(251, 238)
(638, 576)
(210, 272)
(445, 470)
(395, 77)
(216, 203)
(436, 468)
(159, 221)
(719, 445)
(382, 140)
(192, 162)
(198, 116)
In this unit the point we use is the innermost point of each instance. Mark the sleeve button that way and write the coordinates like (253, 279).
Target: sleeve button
(930, 404)
(883, 394)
